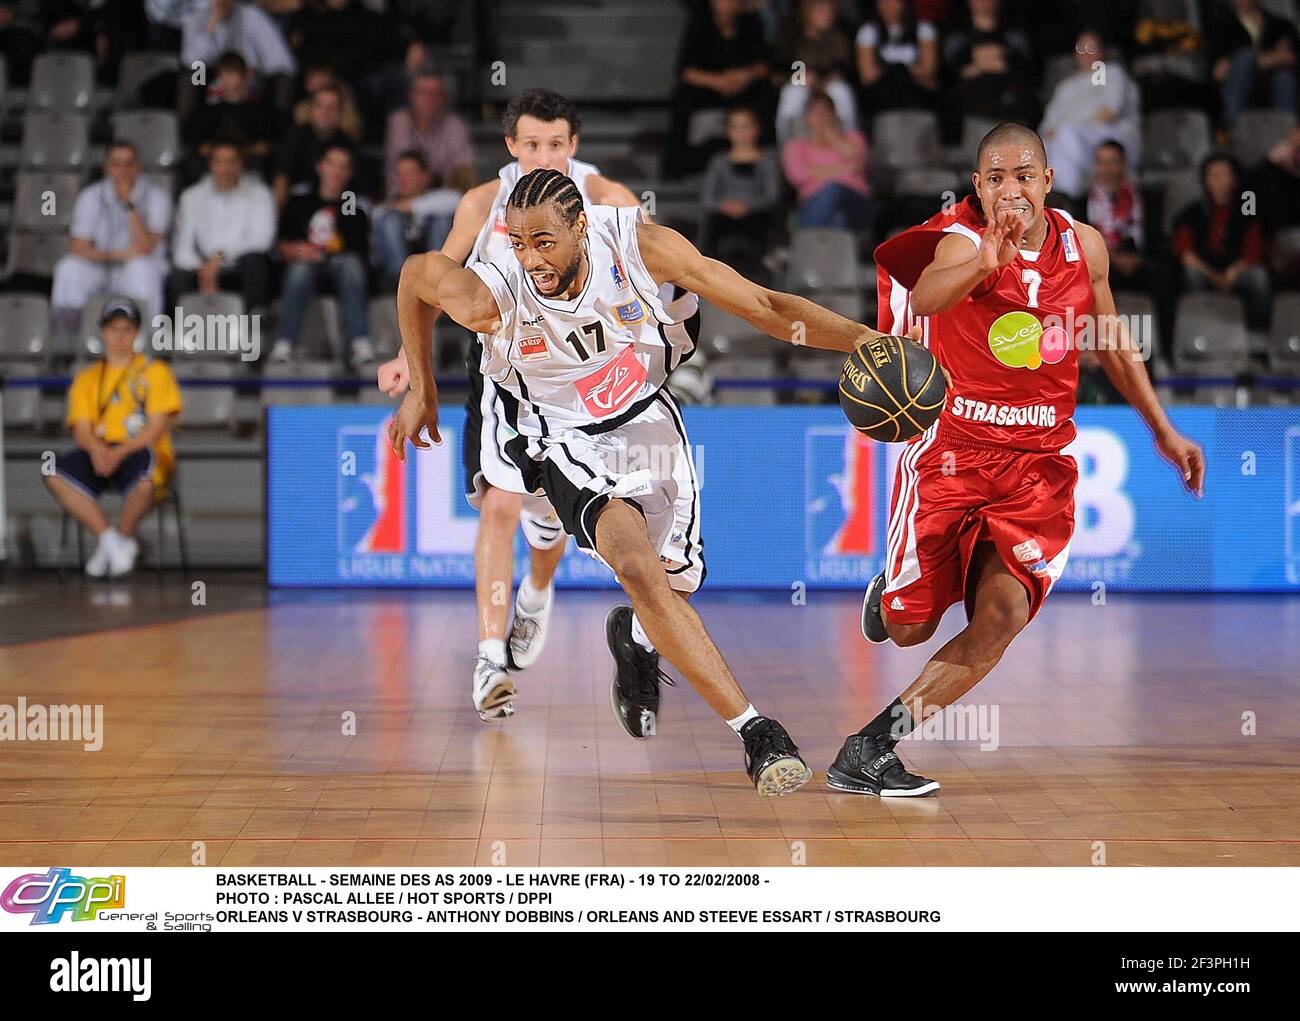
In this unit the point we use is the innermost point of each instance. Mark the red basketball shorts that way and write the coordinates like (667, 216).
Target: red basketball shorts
(949, 495)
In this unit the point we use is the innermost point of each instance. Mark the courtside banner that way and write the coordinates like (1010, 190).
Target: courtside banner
(76, 901)
(791, 497)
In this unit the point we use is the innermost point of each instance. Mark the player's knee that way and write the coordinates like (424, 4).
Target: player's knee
(1000, 620)
(499, 510)
(905, 635)
(639, 571)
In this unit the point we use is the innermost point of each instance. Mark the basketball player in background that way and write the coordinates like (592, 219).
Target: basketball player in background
(541, 132)
(575, 328)
(983, 502)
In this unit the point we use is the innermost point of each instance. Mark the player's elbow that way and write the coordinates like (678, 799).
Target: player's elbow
(925, 301)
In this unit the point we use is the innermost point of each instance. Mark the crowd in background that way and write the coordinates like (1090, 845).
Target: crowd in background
(283, 193)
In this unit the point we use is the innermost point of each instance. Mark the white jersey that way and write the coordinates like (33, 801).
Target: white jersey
(493, 238)
(596, 359)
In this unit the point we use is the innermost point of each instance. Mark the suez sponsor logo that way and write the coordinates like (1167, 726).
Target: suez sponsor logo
(991, 413)
(48, 897)
(77, 974)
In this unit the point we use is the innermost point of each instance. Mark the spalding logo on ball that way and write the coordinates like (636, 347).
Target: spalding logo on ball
(891, 389)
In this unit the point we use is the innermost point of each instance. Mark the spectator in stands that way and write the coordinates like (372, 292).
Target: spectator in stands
(325, 237)
(344, 34)
(814, 52)
(428, 126)
(1277, 182)
(742, 189)
(723, 60)
(295, 163)
(19, 41)
(828, 169)
(898, 59)
(1098, 101)
(991, 62)
(1253, 56)
(387, 89)
(68, 25)
(225, 229)
(118, 227)
(232, 112)
(322, 76)
(414, 219)
(243, 27)
(1220, 247)
(120, 411)
(1114, 207)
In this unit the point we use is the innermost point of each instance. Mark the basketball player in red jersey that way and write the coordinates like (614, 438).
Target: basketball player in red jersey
(983, 502)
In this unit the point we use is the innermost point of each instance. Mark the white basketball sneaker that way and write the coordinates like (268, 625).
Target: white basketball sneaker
(528, 632)
(494, 692)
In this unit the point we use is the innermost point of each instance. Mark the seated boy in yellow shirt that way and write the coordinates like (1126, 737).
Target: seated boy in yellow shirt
(121, 411)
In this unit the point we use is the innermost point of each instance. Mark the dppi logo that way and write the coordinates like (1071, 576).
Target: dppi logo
(47, 898)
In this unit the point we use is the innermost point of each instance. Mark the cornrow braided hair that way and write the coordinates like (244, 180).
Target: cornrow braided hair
(542, 186)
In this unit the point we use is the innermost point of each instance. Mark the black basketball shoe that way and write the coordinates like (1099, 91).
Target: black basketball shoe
(873, 624)
(634, 692)
(772, 759)
(869, 765)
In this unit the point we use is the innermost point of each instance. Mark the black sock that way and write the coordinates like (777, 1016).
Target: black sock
(894, 722)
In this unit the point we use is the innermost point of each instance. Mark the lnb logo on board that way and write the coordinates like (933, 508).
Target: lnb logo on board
(845, 508)
(47, 898)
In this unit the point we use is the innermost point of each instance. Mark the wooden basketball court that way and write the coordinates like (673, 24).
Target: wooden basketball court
(1120, 724)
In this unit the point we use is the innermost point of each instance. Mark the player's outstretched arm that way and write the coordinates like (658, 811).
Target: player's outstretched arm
(471, 213)
(431, 283)
(670, 258)
(958, 267)
(1121, 359)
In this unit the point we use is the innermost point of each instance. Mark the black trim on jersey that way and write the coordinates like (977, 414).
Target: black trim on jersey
(569, 454)
(509, 290)
(523, 392)
(674, 413)
(605, 425)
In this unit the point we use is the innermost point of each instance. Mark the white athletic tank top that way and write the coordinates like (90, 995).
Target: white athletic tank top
(492, 238)
(599, 357)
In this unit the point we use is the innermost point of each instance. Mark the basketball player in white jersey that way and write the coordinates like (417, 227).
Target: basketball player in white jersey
(575, 330)
(541, 132)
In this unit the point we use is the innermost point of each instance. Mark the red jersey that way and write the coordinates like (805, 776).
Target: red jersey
(1008, 344)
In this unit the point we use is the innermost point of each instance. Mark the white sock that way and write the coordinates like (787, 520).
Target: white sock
(494, 649)
(532, 600)
(750, 713)
(111, 535)
(639, 636)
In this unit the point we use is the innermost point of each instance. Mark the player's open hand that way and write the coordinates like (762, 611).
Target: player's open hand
(1001, 241)
(393, 378)
(414, 416)
(1185, 455)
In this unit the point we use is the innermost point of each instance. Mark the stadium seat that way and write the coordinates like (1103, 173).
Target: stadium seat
(744, 368)
(901, 139)
(321, 339)
(22, 404)
(1257, 131)
(822, 259)
(154, 133)
(384, 332)
(1284, 339)
(136, 70)
(1055, 70)
(706, 126)
(1182, 189)
(1173, 141)
(1210, 335)
(323, 394)
(931, 182)
(32, 213)
(86, 343)
(54, 140)
(209, 406)
(62, 81)
(1283, 9)
(973, 129)
(222, 304)
(24, 328)
(35, 254)
(1138, 307)
(724, 336)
